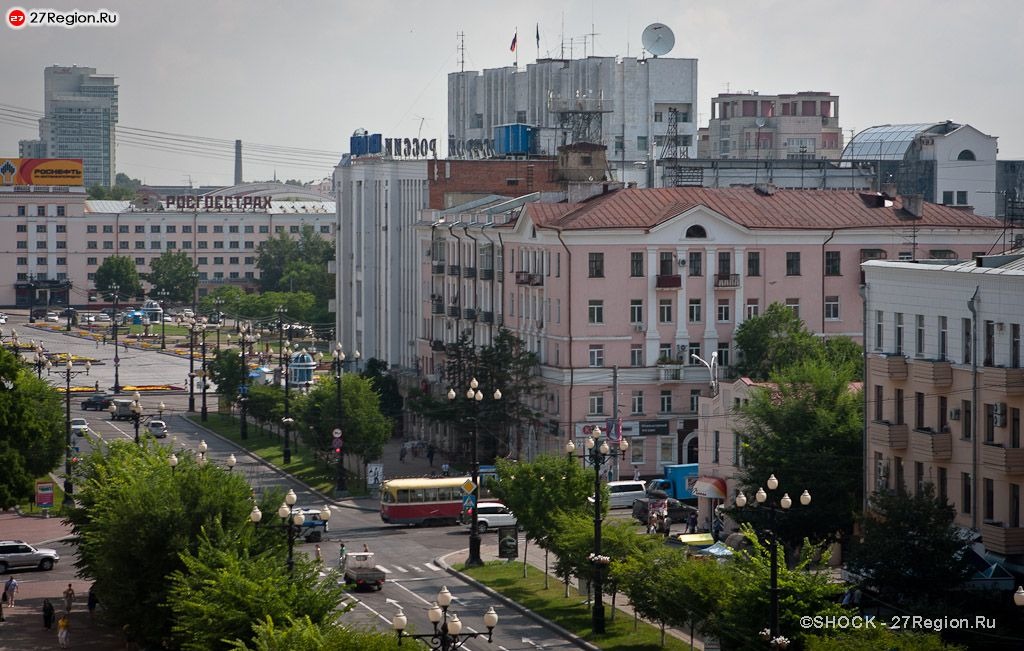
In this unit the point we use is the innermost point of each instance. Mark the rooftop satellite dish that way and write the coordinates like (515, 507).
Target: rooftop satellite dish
(658, 39)
(760, 122)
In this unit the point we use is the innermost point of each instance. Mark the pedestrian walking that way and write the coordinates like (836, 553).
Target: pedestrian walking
(430, 454)
(93, 600)
(11, 590)
(64, 631)
(47, 614)
(691, 526)
(69, 598)
(402, 453)
(319, 558)
(445, 469)
(342, 556)
(366, 548)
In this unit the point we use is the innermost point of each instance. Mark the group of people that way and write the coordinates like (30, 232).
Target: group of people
(10, 596)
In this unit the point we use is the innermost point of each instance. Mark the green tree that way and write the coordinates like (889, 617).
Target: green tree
(121, 271)
(233, 298)
(136, 517)
(222, 590)
(303, 635)
(911, 548)
(225, 370)
(32, 434)
(274, 254)
(122, 180)
(872, 638)
(172, 272)
(265, 402)
(647, 580)
(772, 341)
(116, 193)
(806, 429)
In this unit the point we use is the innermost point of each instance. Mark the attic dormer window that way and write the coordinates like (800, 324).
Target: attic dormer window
(696, 231)
(966, 154)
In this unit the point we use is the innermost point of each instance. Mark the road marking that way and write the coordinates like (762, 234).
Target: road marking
(414, 568)
(401, 569)
(431, 566)
(381, 568)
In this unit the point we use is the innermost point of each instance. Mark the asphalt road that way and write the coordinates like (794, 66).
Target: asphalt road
(407, 554)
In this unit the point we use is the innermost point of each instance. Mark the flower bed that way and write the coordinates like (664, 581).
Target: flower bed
(151, 387)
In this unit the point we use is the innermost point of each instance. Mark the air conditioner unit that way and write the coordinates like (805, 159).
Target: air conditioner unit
(639, 327)
(999, 409)
(954, 414)
(1000, 420)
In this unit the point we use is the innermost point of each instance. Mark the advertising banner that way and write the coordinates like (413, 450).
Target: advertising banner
(40, 171)
(44, 494)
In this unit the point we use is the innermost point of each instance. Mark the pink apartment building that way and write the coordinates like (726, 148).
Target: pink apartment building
(617, 291)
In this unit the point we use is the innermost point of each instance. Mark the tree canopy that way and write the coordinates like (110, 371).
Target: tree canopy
(173, 273)
(289, 264)
(121, 271)
(805, 428)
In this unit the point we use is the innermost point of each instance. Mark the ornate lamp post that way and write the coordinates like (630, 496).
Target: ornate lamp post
(283, 360)
(598, 452)
(337, 365)
(68, 372)
(291, 522)
(38, 359)
(163, 294)
(136, 409)
(475, 396)
(202, 371)
(11, 338)
(447, 635)
(190, 325)
(773, 504)
(217, 302)
(246, 337)
(113, 335)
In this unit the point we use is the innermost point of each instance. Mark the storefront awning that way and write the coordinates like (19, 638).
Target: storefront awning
(710, 487)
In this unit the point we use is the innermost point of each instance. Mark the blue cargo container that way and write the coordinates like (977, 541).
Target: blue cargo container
(514, 140)
(358, 145)
(375, 145)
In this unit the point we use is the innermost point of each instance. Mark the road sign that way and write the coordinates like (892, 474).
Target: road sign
(469, 486)
(468, 501)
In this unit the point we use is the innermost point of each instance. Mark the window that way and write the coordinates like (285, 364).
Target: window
(753, 308)
(171, 244)
(41, 261)
(715, 443)
(636, 311)
(1015, 427)
(108, 244)
(879, 402)
(665, 405)
(1014, 345)
(666, 262)
(91, 244)
(218, 244)
(233, 228)
(170, 228)
(943, 414)
(989, 488)
(201, 228)
(61, 211)
(792, 263)
(966, 329)
(155, 244)
(218, 260)
(596, 403)
(989, 343)
(831, 308)
(250, 245)
(203, 244)
(595, 265)
(723, 354)
(1014, 520)
(41, 244)
(918, 410)
(324, 228)
(961, 197)
(294, 228)
(139, 244)
(596, 355)
(22, 211)
(664, 351)
(694, 400)
(641, 143)
(218, 228)
(233, 274)
(62, 228)
(202, 260)
(665, 310)
(108, 228)
(724, 264)
(249, 229)
(250, 260)
(919, 335)
(898, 400)
(186, 244)
(40, 228)
(636, 403)
(879, 329)
(154, 228)
(140, 228)
(186, 228)
(694, 349)
(595, 312)
(696, 257)
(943, 338)
(140, 261)
(636, 355)
(264, 228)
(233, 260)
(990, 423)
(23, 228)
(40, 211)
(658, 117)
(24, 260)
(832, 263)
(898, 321)
(90, 228)
(92, 262)
(636, 264)
(694, 310)
(943, 484)
(966, 420)
(22, 244)
(794, 304)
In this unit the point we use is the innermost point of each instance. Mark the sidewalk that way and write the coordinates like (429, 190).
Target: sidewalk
(22, 627)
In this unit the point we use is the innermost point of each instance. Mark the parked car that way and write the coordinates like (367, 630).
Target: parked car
(79, 426)
(15, 553)
(96, 403)
(622, 493)
(3, 318)
(490, 515)
(53, 317)
(313, 527)
(103, 317)
(158, 428)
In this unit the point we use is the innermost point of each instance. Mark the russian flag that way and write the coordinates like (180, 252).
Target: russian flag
(515, 39)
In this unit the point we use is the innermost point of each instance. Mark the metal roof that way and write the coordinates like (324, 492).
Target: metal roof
(890, 141)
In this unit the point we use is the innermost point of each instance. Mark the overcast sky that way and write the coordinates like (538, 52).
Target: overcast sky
(306, 74)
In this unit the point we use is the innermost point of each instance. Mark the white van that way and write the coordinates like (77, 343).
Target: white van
(622, 493)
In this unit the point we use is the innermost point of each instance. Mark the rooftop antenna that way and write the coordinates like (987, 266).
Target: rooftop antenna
(561, 37)
(462, 51)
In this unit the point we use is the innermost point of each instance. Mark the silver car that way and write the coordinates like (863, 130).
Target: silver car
(79, 426)
(15, 553)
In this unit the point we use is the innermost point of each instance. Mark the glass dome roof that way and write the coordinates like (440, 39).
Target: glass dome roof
(888, 141)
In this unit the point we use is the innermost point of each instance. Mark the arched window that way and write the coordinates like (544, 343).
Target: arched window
(966, 154)
(696, 231)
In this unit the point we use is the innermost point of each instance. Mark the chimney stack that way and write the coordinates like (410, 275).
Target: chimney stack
(238, 162)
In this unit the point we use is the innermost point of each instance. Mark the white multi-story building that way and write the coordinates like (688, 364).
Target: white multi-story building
(80, 121)
(622, 103)
(945, 388)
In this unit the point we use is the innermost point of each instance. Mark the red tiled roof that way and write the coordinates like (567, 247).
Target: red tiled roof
(783, 209)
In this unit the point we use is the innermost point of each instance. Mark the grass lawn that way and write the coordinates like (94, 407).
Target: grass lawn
(270, 446)
(570, 613)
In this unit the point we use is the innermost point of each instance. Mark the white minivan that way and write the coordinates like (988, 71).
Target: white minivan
(622, 493)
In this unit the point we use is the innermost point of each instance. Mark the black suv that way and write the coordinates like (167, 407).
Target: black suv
(97, 403)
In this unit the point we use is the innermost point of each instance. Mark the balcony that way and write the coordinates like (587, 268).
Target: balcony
(437, 268)
(932, 371)
(535, 280)
(999, 377)
(453, 311)
(469, 272)
(727, 281)
(1001, 539)
(522, 278)
(893, 367)
(1009, 461)
(486, 317)
(454, 270)
(437, 308)
(932, 444)
(437, 345)
(469, 314)
(486, 274)
(674, 281)
(888, 435)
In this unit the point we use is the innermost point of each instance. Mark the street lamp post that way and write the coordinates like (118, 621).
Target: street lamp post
(291, 522)
(476, 397)
(773, 505)
(39, 360)
(202, 372)
(597, 454)
(712, 367)
(68, 373)
(217, 302)
(447, 635)
(136, 415)
(11, 338)
(283, 360)
(113, 335)
(190, 325)
(337, 365)
(163, 294)
(246, 337)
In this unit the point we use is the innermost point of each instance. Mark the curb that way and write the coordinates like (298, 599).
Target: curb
(508, 603)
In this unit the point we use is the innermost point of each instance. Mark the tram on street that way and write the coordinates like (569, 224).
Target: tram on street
(423, 500)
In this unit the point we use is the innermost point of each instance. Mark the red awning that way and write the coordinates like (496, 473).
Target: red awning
(710, 487)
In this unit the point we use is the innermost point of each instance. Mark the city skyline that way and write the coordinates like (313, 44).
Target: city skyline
(306, 79)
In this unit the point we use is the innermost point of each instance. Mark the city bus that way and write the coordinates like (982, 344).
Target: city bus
(422, 500)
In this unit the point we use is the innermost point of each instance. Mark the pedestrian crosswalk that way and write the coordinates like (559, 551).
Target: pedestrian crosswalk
(404, 571)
